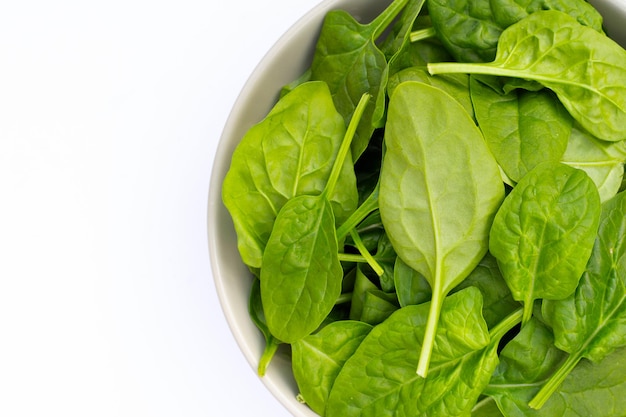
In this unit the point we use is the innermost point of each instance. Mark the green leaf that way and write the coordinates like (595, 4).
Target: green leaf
(377, 306)
(379, 379)
(497, 299)
(591, 322)
(436, 159)
(301, 274)
(411, 286)
(602, 161)
(531, 357)
(289, 153)
(318, 358)
(470, 29)
(521, 128)
(347, 58)
(585, 69)
(543, 234)
(457, 85)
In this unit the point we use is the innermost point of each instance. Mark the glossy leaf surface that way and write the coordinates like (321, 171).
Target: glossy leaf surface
(543, 234)
(318, 358)
(436, 159)
(380, 380)
(289, 153)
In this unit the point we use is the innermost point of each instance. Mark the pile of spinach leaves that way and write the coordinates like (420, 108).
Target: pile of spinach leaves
(434, 213)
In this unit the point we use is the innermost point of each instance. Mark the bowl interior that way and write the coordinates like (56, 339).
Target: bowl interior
(285, 61)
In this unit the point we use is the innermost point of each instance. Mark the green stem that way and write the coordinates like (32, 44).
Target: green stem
(506, 325)
(431, 332)
(529, 305)
(345, 297)
(387, 16)
(351, 257)
(271, 346)
(368, 206)
(345, 145)
(495, 69)
(365, 253)
(554, 382)
(420, 35)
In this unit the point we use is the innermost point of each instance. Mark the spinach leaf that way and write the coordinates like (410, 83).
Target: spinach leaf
(318, 358)
(288, 153)
(530, 358)
(377, 306)
(411, 286)
(486, 407)
(436, 160)
(470, 29)
(522, 128)
(457, 85)
(602, 161)
(362, 285)
(467, 28)
(380, 380)
(585, 69)
(508, 12)
(591, 322)
(544, 231)
(301, 273)
(497, 299)
(347, 58)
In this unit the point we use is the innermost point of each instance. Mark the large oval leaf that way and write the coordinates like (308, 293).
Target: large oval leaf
(301, 274)
(289, 153)
(543, 234)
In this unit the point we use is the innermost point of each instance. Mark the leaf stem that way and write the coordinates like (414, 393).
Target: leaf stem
(345, 297)
(554, 382)
(365, 253)
(384, 19)
(368, 206)
(271, 346)
(430, 332)
(506, 325)
(345, 144)
(420, 35)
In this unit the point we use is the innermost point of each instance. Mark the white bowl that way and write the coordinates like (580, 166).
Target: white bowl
(285, 61)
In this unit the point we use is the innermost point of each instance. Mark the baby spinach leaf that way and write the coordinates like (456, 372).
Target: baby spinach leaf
(486, 407)
(470, 29)
(602, 161)
(457, 85)
(411, 286)
(318, 358)
(380, 380)
(521, 128)
(362, 284)
(466, 27)
(497, 299)
(543, 234)
(508, 12)
(584, 68)
(531, 357)
(591, 322)
(436, 159)
(400, 33)
(349, 61)
(378, 305)
(301, 273)
(288, 153)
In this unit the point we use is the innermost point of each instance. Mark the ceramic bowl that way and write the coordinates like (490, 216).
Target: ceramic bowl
(283, 63)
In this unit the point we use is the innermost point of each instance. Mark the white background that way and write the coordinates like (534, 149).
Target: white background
(110, 114)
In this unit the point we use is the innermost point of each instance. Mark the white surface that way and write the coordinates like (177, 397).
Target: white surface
(110, 114)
